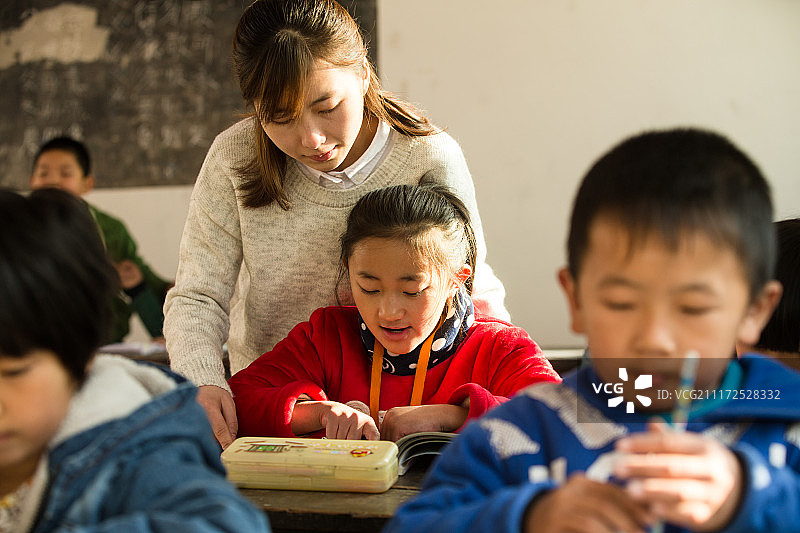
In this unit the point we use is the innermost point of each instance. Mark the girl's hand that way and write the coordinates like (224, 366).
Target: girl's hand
(401, 421)
(343, 422)
(339, 420)
(683, 478)
(582, 504)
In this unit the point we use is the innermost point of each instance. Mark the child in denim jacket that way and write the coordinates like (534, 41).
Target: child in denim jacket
(91, 443)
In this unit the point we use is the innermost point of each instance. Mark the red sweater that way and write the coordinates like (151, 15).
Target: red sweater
(325, 359)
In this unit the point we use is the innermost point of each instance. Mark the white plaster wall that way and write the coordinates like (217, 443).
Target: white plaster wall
(535, 90)
(155, 217)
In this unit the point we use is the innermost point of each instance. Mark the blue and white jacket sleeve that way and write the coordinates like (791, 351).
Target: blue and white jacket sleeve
(771, 494)
(470, 488)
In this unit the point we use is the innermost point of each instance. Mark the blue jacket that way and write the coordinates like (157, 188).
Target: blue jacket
(487, 477)
(156, 468)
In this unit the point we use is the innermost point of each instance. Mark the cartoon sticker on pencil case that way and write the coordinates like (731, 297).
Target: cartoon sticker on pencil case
(266, 447)
(360, 452)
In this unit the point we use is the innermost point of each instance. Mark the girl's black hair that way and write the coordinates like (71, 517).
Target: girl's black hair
(408, 213)
(56, 282)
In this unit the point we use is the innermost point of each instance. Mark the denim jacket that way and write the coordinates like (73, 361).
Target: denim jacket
(136, 453)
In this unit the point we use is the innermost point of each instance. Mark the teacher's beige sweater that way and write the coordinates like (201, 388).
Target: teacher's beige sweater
(246, 276)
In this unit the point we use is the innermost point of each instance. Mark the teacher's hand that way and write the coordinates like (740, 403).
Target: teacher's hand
(221, 412)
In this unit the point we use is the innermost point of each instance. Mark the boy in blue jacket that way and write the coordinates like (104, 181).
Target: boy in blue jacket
(91, 443)
(671, 252)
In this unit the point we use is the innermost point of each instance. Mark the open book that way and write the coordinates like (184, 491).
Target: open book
(418, 446)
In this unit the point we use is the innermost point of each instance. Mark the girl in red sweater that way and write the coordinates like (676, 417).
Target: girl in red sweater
(411, 355)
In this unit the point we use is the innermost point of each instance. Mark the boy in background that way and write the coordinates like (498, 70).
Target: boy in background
(91, 443)
(64, 162)
(671, 252)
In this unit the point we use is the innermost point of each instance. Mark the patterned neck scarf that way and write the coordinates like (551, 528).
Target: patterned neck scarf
(447, 338)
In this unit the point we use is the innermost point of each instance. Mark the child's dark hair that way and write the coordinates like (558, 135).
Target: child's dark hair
(69, 145)
(677, 182)
(56, 282)
(782, 332)
(408, 213)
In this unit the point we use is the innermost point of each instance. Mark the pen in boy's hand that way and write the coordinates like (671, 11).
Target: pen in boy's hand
(680, 412)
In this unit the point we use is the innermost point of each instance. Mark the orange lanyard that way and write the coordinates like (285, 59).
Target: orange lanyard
(419, 375)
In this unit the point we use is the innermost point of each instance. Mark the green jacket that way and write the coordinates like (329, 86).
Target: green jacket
(147, 300)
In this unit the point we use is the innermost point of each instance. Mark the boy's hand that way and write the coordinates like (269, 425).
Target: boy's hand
(683, 478)
(129, 274)
(581, 504)
(401, 421)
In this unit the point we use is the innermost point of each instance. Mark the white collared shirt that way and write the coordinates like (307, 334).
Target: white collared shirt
(356, 173)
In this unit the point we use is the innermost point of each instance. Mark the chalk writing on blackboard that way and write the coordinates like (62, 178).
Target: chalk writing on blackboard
(146, 84)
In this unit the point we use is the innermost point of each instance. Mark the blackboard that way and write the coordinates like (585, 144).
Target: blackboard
(145, 84)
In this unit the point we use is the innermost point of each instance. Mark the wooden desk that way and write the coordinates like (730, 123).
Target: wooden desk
(293, 511)
(138, 351)
(564, 360)
(152, 353)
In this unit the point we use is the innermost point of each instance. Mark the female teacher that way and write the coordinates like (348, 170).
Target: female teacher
(260, 247)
